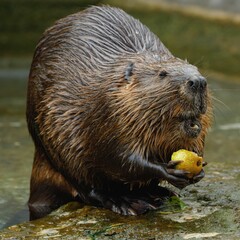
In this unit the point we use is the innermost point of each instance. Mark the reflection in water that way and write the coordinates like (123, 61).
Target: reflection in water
(16, 148)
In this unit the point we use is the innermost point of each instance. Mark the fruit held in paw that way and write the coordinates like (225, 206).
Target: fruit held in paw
(191, 162)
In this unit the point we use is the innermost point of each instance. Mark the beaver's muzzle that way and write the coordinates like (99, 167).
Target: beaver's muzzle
(196, 90)
(197, 84)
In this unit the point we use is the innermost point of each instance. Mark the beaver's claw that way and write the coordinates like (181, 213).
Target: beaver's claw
(198, 177)
(135, 202)
(173, 164)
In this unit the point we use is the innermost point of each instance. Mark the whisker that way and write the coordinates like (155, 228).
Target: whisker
(199, 61)
(208, 75)
(221, 102)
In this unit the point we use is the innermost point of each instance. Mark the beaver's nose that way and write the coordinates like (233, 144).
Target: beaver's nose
(197, 84)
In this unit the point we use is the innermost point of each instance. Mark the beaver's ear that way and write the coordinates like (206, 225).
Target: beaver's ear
(128, 72)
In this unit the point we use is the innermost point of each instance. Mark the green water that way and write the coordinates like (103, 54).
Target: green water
(211, 45)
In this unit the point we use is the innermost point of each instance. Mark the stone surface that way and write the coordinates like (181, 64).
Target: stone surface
(211, 210)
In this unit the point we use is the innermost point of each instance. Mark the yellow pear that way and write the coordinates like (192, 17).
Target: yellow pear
(191, 162)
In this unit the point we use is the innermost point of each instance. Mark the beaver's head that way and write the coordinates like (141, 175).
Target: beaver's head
(162, 107)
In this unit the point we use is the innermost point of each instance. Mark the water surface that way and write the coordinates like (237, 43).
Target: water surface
(16, 148)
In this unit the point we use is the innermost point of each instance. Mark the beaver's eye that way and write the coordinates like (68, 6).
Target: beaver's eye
(163, 74)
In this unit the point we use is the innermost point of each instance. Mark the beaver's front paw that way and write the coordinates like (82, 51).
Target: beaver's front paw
(177, 178)
(180, 178)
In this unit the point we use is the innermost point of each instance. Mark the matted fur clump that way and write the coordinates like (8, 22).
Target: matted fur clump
(107, 106)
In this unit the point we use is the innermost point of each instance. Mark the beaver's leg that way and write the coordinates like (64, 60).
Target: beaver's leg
(48, 188)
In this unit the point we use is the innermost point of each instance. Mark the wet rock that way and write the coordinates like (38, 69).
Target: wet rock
(175, 220)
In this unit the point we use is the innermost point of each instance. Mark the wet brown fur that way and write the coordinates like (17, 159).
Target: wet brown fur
(86, 119)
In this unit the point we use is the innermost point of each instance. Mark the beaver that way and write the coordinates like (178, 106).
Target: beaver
(107, 105)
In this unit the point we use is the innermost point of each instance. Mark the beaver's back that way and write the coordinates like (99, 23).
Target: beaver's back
(92, 39)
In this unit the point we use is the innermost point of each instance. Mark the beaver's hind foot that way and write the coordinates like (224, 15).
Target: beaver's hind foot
(133, 202)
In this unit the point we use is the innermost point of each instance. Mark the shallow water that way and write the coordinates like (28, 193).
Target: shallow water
(16, 148)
